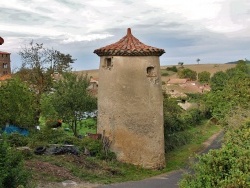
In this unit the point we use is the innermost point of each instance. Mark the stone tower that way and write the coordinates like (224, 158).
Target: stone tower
(130, 102)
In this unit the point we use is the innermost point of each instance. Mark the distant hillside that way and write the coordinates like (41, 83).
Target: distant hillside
(235, 62)
(212, 68)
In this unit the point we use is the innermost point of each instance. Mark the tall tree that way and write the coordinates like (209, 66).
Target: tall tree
(229, 90)
(38, 64)
(198, 60)
(16, 104)
(70, 100)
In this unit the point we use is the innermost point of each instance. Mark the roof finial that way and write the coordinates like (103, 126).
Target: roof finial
(1, 41)
(129, 31)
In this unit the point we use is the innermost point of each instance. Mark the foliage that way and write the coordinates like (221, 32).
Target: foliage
(176, 121)
(187, 73)
(192, 117)
(38, 63)
(17, 104)
(198, 60)
(229, 89)
(181, 64)
(173, 68)
(226, 167)
(164, 74)
(219, 80)
(13, 173)
(172, 111)
(17, 140)
(69, 101)
(230, 165)
(90, 123)
(204, 77)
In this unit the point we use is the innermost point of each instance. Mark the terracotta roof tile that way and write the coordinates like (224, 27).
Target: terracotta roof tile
(129, 46)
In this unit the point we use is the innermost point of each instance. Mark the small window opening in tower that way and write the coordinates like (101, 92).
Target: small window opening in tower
(108, 63)
(150, 71)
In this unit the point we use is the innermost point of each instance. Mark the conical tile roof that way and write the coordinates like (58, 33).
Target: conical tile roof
(129, 46)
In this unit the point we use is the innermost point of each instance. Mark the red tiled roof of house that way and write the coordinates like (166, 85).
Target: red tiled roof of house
(129, 46)
(4, 52)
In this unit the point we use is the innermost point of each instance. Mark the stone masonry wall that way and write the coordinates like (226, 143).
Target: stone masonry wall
(130, 109)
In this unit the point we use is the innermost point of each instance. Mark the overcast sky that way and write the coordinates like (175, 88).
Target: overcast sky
(215, 31)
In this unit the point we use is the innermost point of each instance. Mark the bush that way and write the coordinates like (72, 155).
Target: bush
(173, 68)
(94, 146)
(187, 73)
(204, 77)
(192, 117)
(226, 167)
(175, 140)
(12, 171)
(46, 136)
(17, 140)
(164, 74)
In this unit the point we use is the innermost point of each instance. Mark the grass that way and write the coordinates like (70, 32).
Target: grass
(85, 126)
(179, 157)
(94, 170)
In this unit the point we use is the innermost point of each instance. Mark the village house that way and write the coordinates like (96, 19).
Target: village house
(5, 70)
(4, 63)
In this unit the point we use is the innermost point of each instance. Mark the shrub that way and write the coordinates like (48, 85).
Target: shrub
(173, 68)
(187, 73)
(204, 77)
(13, 173)
(46, 136)
(175, 140)
(164, 74)
(94, 146)
(17, 140)
(226, 167)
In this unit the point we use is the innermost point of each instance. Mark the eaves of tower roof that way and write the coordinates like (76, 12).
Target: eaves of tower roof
(129, 46)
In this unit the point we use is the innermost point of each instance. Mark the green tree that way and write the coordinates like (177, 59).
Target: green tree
(218, 81)
(17, 104)
(181, 64)
(198, 60)
(13, 173)
(187, 73)
(229, 90)
(204, 77)
(70, 100)
(38, 63)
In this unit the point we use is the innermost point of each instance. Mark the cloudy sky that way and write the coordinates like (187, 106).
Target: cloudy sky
(216, 31)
